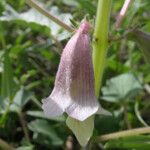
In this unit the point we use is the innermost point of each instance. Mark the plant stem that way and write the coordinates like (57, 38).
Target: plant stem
(126, 117)
(147, 88)
(137, 112)
(100, 41)
(132, 132)
(33, 4)
(122, 13)
(5, 146)
(24, 126)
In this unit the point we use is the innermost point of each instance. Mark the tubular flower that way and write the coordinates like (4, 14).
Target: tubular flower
(74, 91)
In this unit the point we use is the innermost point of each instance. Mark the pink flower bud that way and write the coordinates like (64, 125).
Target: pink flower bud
(74, 92)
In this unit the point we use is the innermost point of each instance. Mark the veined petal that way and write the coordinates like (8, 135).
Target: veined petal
(83, 130)
(82, 94)
(74, 90)
(79, 112)
(59, 98)
(55, 104)
(51, 108)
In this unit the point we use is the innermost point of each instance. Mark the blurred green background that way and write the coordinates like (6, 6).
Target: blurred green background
(30, 48)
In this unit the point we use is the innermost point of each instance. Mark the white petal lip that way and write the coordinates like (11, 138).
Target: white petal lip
(80, 111)
(74, 91)
(51, 108)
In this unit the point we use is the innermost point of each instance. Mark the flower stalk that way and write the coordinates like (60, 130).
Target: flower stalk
(100, 41)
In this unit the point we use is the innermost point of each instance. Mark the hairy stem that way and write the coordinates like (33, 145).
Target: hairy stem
(33, 4)
(100, 41)
(132, 132)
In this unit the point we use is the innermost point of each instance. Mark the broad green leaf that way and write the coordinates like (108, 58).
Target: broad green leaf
(20, 99)
(40, 114)
(33, 16)
(121, 88)
(45, 128)
(11, 15)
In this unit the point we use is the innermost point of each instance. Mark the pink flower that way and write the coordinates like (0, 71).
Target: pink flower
(74, 91)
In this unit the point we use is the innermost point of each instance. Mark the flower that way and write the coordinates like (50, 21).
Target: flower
(74, 91)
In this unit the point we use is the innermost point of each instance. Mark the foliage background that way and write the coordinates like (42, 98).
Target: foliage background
(30, 48)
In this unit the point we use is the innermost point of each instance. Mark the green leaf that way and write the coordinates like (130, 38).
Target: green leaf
(40, 114)
(29, 74)
(33, 16)
(7, 77)
(17, 4)
(121, 88)
(45, 128)
(12, 15)
(140, 142)
(88, 6)
(45, 141)
(106, 124)
(21, 98)
(116, 65)
(2, 7)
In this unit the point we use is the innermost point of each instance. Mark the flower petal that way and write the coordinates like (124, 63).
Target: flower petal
(51, 108)
(83, 109)
(83, 130)
(81, 83)
(74, 85)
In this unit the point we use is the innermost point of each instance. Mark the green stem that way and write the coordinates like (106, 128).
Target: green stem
(100, 41)
(127, 133)
(24, 126)
(126, 119)
(33, 4)
(137, 112)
